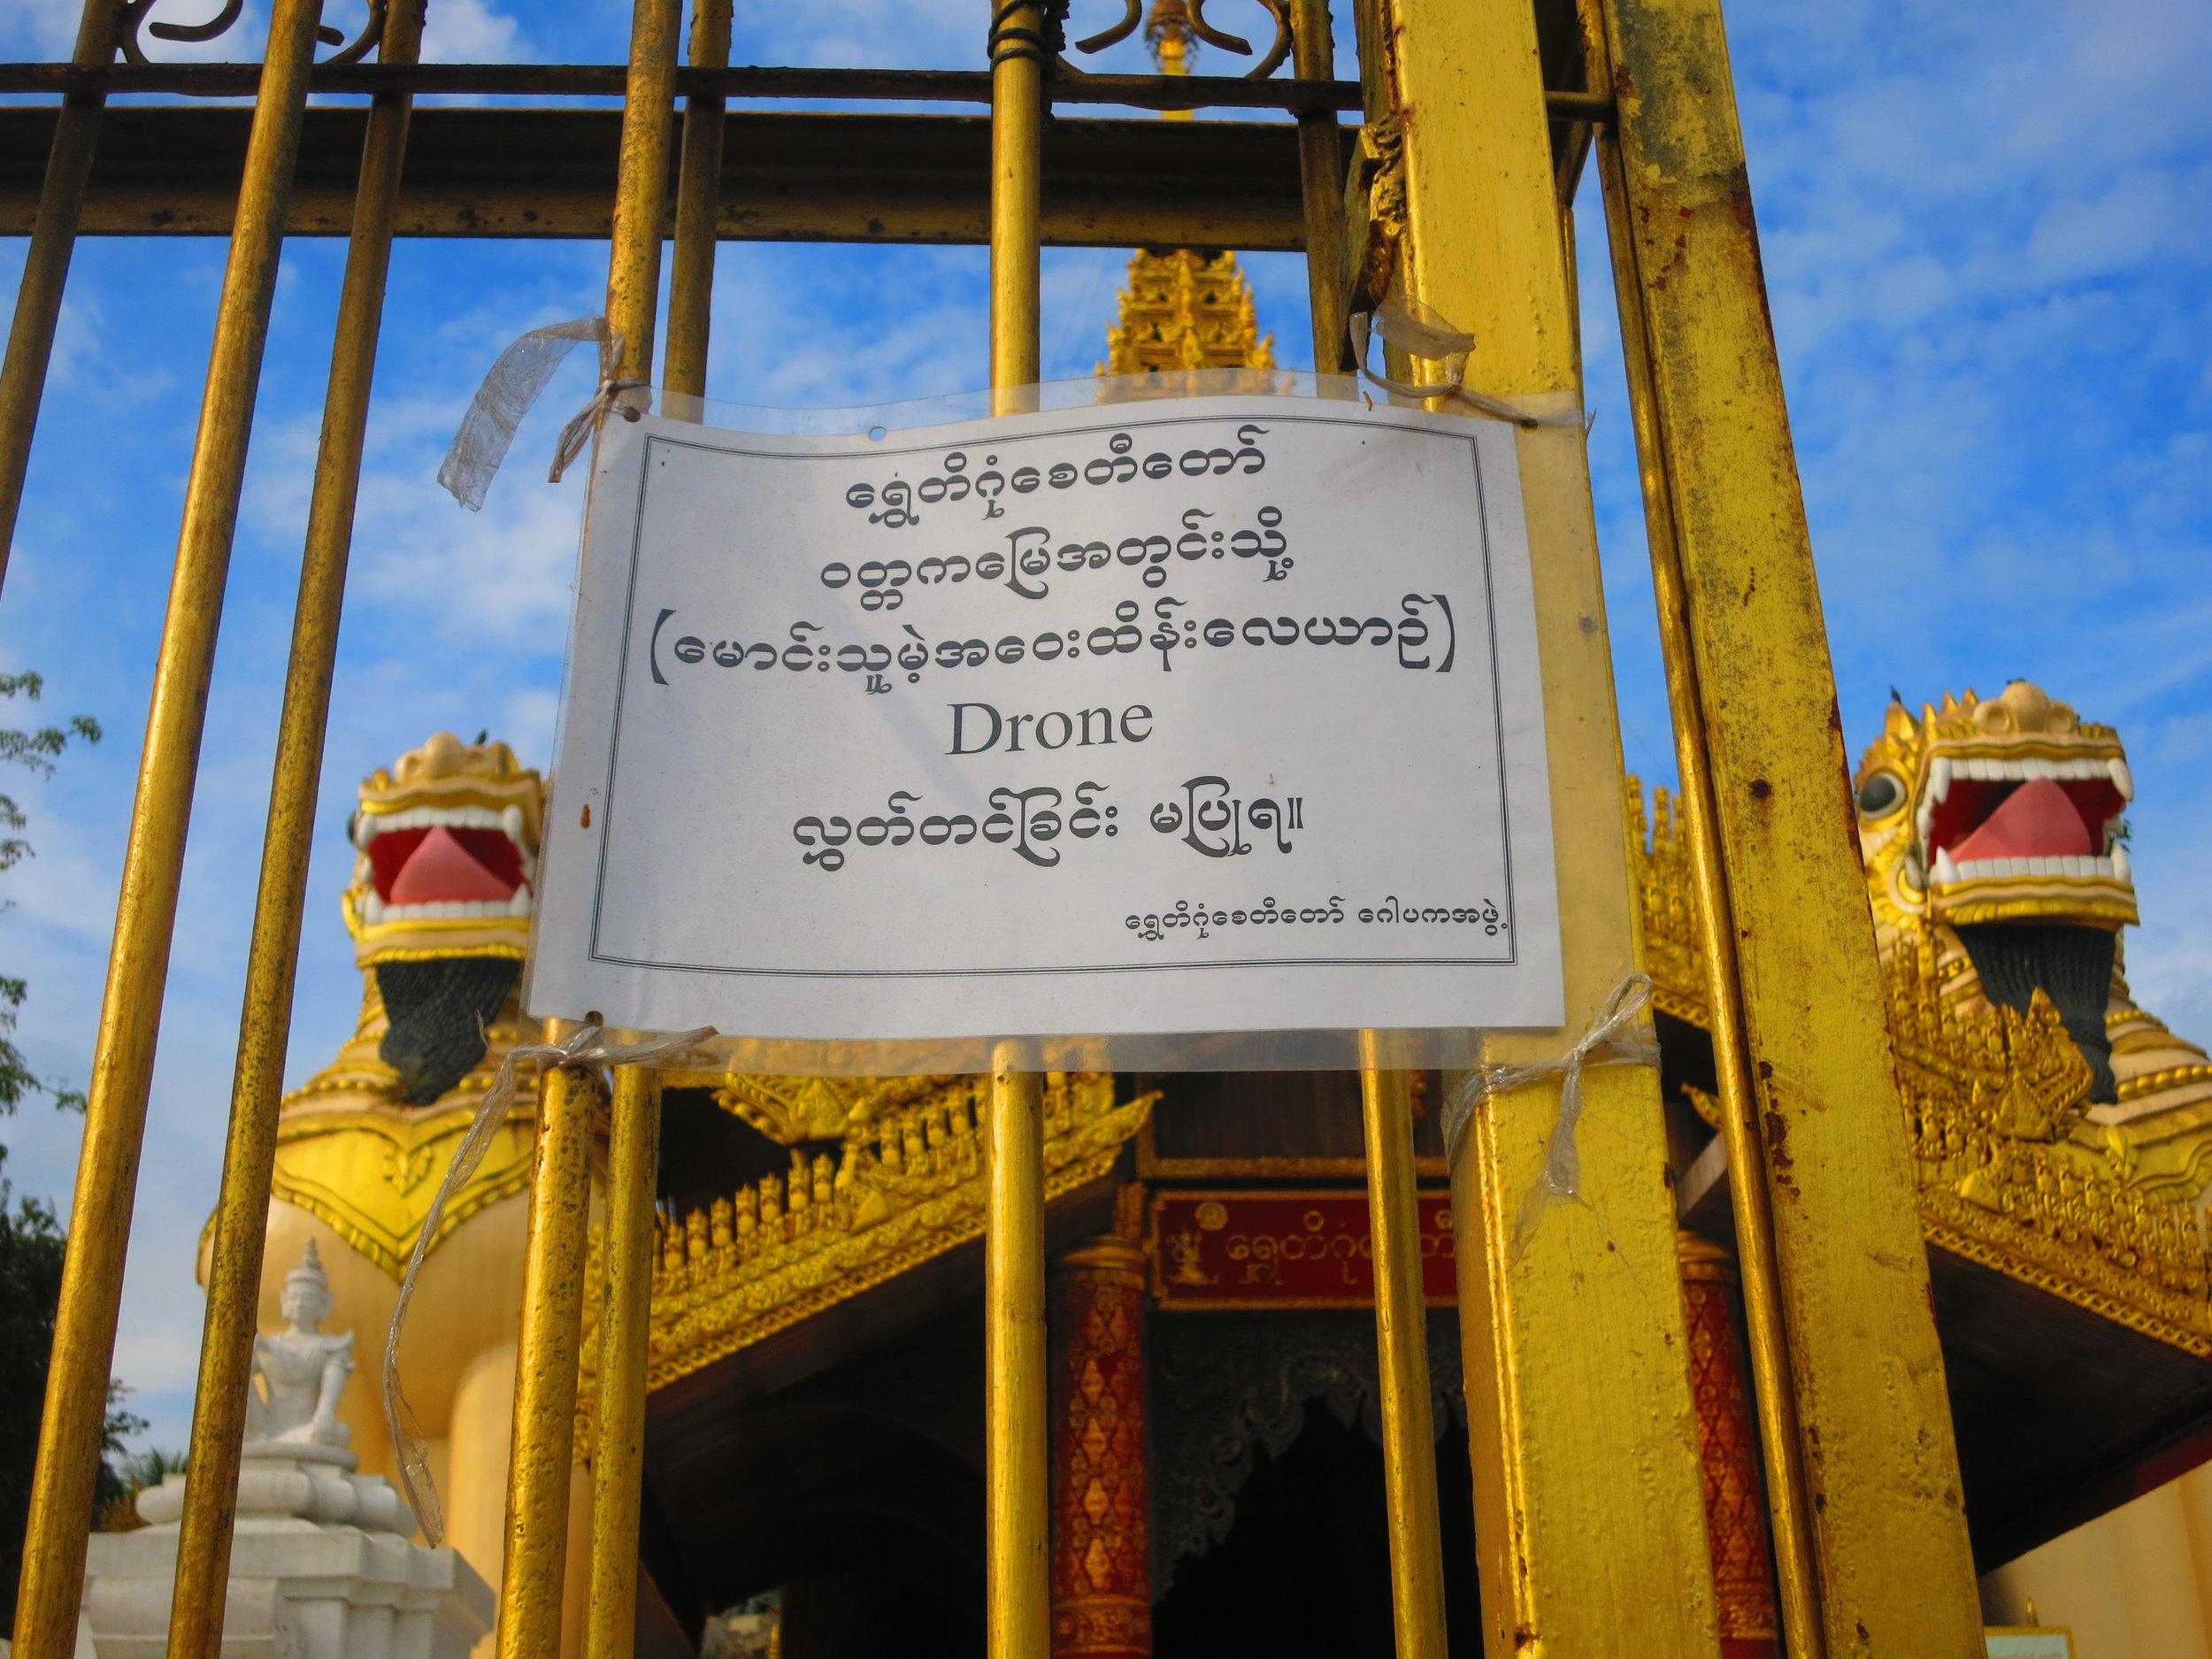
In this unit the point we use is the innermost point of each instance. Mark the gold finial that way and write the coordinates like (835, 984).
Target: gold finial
(1168, 32)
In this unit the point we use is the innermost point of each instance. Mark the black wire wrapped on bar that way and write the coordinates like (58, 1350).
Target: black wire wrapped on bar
(1040, 47)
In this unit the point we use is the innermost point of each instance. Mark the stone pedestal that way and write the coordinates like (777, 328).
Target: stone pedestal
(320, 1568)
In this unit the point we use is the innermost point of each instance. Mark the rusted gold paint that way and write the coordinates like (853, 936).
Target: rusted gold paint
(1775, 1398)
(1321, 175)
(617, 1458)
(1894, 1569)
(698, 199)
(1017, 1425)
(1582, 1428)
(640, 203)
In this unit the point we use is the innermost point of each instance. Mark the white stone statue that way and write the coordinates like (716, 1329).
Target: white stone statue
(302, 1369)
(321, 1564)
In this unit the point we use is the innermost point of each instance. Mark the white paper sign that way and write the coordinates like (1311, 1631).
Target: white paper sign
(1206, 715)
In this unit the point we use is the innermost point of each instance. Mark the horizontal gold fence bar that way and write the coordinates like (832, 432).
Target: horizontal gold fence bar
(905, 86)
(786, 176)
(918, 86)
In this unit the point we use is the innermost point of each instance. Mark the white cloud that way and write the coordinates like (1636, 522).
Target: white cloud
(39, 30)
(471, 32)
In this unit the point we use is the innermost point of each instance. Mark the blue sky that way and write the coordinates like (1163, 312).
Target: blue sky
(1986, 233)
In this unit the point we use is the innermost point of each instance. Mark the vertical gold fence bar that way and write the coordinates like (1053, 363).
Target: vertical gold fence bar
(130, 1016)
(1775, 1389)
(617, 1464)
(640, 203)
(46, 265)
(1017, 1450)
(539, 1477)
(234, 1279)
(545, 1364)
(1017, 81)
(1321, 174)
(698, 208)
(1402, 1351)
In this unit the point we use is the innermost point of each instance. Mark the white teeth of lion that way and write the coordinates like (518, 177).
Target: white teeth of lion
(1939, 780)
(1946, 871)
(2123, 780)
(511, 820)
(2122, 867)
(2069, 865)
(519, 905)
(371, 908)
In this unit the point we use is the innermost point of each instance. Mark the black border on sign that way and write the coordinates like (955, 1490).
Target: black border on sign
(629, 616)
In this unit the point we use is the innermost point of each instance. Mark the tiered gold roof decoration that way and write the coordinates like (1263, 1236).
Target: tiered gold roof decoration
(1186, 308)
(2019, 1167)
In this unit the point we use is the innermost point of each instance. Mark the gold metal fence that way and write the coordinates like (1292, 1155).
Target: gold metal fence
(1456, 190)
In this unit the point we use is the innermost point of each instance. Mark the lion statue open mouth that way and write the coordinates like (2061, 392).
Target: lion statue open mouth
(1994, 828)
(440, 904)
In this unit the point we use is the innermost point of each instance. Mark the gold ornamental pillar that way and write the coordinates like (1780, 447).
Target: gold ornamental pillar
(1102, 1538)
(1589, 1519)
(1870, 1536)
(1735, 1497)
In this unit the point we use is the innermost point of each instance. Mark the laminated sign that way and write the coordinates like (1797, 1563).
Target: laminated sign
(1210, 715)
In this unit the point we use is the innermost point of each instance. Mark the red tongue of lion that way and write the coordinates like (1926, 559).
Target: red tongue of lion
(440, 870)
(2036, 821)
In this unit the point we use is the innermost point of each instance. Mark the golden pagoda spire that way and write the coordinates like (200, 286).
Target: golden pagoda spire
(1167, 31)
(1184, 308)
